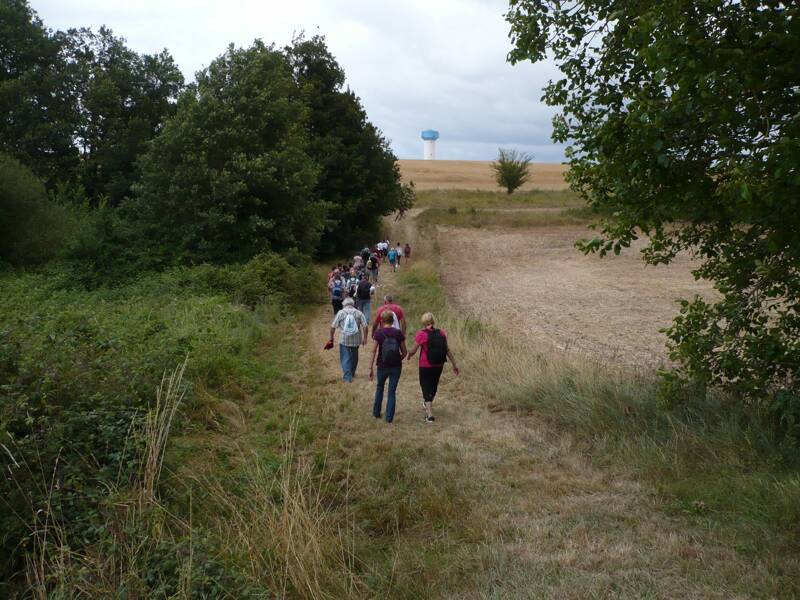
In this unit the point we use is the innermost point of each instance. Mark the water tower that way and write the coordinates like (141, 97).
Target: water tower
(430, 136)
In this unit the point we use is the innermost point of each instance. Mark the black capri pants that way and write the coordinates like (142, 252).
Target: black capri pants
(429, 381)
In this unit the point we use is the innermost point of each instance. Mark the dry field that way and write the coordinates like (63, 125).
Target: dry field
(475, 175)
(536, 282)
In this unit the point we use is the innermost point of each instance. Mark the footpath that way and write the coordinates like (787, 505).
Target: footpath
(487, 504)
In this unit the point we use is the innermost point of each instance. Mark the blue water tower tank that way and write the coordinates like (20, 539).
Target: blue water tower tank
(430, 135)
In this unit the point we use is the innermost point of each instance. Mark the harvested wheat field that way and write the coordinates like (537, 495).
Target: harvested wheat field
(534, 280)
(475, 175)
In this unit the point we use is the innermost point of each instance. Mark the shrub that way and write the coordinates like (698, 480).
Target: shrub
(79, 368)
(32, 229)
(511, 169)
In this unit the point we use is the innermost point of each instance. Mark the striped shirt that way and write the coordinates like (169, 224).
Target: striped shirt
(338, 323)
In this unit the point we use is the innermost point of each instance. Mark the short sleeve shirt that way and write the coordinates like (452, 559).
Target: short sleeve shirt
(422, 341)
(395, 308)
(387, 332)
(338, 323)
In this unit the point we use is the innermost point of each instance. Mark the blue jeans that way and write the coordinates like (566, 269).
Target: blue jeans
(348, 355)
(393, 375)
(365, 306)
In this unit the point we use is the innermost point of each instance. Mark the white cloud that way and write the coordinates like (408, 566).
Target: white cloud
(415, 64)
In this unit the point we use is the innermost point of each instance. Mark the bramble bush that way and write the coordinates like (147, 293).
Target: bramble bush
(78, 370)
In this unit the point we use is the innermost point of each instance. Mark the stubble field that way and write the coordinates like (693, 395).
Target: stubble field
(533, 281)
(475, 175)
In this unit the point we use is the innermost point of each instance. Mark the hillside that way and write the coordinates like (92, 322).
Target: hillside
(475, 175)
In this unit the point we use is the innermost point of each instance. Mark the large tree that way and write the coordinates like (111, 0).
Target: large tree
(37, 105)
(684, 118)
(80, 106)
(359, 173)
(124, 98)
(230, 174)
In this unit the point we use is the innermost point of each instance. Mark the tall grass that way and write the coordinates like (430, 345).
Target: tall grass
(291, 530)
(137, 524)
(274, 534)
(157, 426)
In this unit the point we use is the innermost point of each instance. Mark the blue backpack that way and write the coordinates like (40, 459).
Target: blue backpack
(392, 255)
(337, 292)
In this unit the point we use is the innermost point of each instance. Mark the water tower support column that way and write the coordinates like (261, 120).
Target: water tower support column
(429, 137)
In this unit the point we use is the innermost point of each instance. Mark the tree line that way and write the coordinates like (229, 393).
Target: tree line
(111, 159)
(683, 123)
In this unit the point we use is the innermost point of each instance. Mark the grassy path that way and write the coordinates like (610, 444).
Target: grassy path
(490, 504)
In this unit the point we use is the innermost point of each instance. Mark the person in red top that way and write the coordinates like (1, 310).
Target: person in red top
(400, 317)
(434, 352)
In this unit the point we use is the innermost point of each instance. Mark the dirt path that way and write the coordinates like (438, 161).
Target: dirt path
(533, 518)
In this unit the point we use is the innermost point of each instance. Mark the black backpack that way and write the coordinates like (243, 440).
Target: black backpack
(390, 352)
(362, 292)
(437, 347)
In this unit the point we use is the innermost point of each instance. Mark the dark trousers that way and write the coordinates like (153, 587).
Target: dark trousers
(429, 381)
(337, 306)
(393, 375)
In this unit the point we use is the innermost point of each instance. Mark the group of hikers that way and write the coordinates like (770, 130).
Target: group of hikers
(351, 289)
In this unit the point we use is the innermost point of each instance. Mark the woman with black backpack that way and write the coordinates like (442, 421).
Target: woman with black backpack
(390, 349)
(434, 352)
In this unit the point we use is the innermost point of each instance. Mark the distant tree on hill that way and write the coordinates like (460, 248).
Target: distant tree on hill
(511, 169)
(684, 122)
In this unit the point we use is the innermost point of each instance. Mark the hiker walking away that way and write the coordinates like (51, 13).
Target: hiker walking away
(399, 250)
(352, 328)
(407, 252)
(434, 352)
(372, 268)
(336, 288)
(364, 292)
(364, 253)
(351, 285)
(399, 321)
(392, 256)
(390, 348)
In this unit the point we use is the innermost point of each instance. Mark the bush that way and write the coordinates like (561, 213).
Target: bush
(511, 169)
(32, 229)
(79, 368)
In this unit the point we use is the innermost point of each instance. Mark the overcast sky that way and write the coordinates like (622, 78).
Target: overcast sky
(416, 64)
